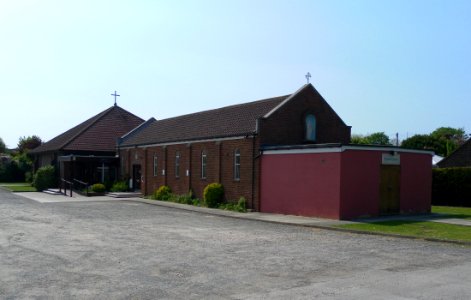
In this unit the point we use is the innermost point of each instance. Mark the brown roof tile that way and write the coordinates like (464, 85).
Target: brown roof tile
(99, 133)
(227, 121)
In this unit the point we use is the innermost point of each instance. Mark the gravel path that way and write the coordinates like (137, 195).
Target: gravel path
(123, 250)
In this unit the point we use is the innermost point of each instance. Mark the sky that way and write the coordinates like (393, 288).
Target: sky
(394, 66)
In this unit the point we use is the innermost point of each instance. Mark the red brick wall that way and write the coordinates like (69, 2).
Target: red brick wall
(129, 158)
(341, 185)
(301, 184)
(219, 168)
(287, 125)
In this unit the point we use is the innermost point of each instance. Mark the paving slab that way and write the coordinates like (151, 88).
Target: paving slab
(49, 198)
(453, 221)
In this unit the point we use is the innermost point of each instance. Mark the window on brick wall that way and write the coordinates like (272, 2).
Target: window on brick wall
(203, 164)
(177, 164)
(156, 166)
(237, 164)
(310, 123)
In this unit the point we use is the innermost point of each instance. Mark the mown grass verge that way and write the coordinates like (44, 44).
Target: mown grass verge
(453, 211)
(18, 187)
(423, 229)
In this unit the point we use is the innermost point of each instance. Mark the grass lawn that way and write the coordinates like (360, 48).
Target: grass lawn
(18, 187)
(417, 229)
(423, 229)
(453, 212)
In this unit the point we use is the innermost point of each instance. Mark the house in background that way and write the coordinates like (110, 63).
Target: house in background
(87, 152)
(461, 157)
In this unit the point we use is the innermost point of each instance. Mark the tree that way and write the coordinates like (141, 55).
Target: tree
(357, 139)
(3, 148)
(449, 138)
(453, 134)
(29, 143)
(442, 140)
(421, 142)
(376, 138)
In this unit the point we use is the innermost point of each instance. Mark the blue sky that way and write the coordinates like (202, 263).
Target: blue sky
(393, 66)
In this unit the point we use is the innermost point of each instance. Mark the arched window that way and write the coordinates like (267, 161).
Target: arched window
(203, 164)
(156, 167)
(310, 124)
(237, 164)
(177, 164)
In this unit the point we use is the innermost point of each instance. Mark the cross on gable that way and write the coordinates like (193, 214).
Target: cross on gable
(115, 95)
(308, 75)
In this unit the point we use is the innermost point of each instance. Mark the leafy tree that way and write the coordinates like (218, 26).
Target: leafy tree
(449, 138)
(421, 142)
(376, 138)
(29, 143)
(453, 134)
(357, 139)
(442, 140)
(3, 148)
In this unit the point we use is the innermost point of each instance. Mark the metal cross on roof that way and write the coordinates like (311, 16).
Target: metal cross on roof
(115, 95)
(308, 75)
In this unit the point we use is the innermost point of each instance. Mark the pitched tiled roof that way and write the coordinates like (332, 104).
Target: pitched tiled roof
(99, 133)
(229, 121)
(461, 157)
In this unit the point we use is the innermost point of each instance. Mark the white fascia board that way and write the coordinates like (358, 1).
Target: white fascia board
(399, 150)
(303, 151)
(343, 149)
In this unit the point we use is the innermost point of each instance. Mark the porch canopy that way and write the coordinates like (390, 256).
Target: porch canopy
(89, 168)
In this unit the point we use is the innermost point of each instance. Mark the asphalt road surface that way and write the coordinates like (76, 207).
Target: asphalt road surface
(129, 250)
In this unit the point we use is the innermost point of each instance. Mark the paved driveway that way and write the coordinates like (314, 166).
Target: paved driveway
(128, 250)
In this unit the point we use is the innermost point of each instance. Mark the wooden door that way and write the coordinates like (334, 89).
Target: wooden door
(389, 191)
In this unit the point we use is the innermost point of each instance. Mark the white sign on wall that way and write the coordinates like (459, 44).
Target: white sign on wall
(391, 159)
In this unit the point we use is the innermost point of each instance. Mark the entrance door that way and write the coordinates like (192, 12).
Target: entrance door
(389, 190)
(136, 177)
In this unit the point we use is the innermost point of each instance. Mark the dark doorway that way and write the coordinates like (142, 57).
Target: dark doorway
(389, 190)
(136, 177)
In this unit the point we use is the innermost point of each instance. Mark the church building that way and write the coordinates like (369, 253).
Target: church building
(225, 145)
(289, 154)
(87, 152)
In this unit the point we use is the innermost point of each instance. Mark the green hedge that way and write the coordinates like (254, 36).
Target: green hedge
(44, 178)
(98, 188)
(451, 187)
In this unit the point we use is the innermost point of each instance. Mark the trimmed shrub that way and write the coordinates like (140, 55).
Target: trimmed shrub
(29, 177)
(451, 187)
(98, 188)
(163, 193)
(120, 186)
(213, 194)
(44, 178)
